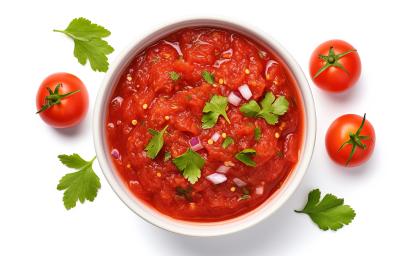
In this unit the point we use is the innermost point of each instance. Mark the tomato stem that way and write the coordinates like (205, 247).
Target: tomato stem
(332, 60)
(355, 140)
(54, 98)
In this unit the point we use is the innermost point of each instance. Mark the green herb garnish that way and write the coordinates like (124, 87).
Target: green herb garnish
(156, 142)
(208, 77)
(167, 156)
(279, 154)
(81, 185)
(184, 192)
(190, 164)
(271, 108)
(213, 109)
(227, 141)
(174, 76)
(245, 156)
(257, 133)
(329, 213)
(89, 44)
(245, 194)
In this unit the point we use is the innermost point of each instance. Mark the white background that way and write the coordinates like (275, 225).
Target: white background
(33, 220)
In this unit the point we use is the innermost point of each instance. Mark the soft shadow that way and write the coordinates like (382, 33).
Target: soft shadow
(73, 131)
(268, 236)
(366, 169)
(347, 95)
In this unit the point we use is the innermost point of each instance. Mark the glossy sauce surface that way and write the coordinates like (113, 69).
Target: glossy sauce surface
(147, 98)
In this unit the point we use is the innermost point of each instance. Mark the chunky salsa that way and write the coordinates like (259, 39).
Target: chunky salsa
(205, 124)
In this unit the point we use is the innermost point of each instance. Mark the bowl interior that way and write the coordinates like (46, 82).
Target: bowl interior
(195, 228)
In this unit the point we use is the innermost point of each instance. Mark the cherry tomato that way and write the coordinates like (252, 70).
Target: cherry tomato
(350, 140)
(62, 100)
(335, 66)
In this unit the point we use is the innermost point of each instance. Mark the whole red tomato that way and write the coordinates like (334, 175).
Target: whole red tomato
(350, 140)
(335, 66)
(62, 100)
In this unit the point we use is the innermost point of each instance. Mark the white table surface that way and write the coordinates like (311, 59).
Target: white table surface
(33, 220)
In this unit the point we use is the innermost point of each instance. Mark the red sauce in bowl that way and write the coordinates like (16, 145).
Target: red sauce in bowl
(146, 97)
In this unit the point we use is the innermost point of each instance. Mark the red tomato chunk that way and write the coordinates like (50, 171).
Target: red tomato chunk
(146, 97)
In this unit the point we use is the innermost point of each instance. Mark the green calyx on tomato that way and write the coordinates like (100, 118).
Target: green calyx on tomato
(54, 98)
(355, 141)
(332, 60)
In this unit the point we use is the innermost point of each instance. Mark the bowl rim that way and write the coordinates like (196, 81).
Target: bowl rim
(229, 226)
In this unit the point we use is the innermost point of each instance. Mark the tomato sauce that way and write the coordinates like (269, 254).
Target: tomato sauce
(147, 98)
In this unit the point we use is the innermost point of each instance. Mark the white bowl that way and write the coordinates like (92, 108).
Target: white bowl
(194, 228)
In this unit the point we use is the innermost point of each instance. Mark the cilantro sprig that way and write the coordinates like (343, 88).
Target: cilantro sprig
(213, 109)
(89, 44)
(245, 156)
(329, 213)
(271, 108)
(156, 142)
(190, 164)
(80, 185)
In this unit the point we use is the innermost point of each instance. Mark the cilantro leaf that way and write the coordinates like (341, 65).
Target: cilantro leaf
(245, 155)
(174, 76)
(257, 133)
(89, 44)
(250, 109)
(271, 108)
(208, 77)
(167, 156)
(213, 109)
(81, 185)
(156, 142)
(228, 141)
(190, 164)
(329, 213)
(245, 194)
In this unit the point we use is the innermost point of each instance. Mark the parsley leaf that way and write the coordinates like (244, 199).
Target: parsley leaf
(271, 108)
(228, 141)
(190, 164)
(213, 109)
(82, 185)
(174, 76)
(89, 44)
(208, 77)
(329, 213)
(156, 142)
(257, 133)
(245, 155)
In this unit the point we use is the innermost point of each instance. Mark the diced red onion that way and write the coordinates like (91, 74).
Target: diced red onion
(195, 143)
(223, 169)
(269, 64)
(240, 183)
(117, 102)
(216, 178)
(215, 136)
(245, 91)
(115, 153)
(234, 99)
(259, 190)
